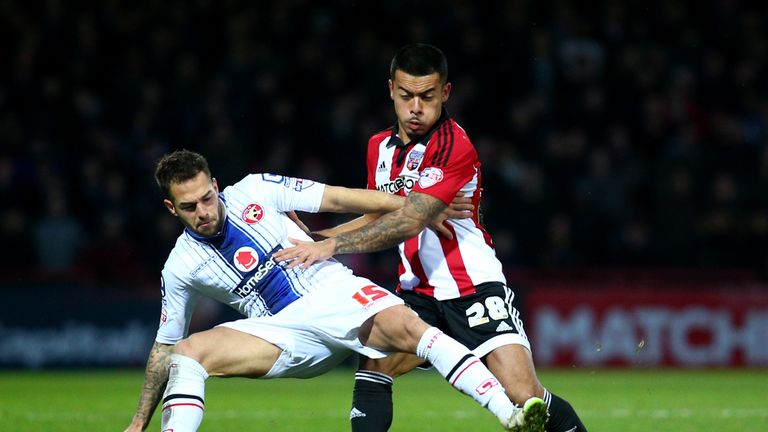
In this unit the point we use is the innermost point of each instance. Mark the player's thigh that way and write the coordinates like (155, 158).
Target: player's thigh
(399, 363)
(396, 364)
(513, 366)
(227, 352)
(395, 329)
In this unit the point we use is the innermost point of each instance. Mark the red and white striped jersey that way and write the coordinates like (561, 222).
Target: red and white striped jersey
(443, 163)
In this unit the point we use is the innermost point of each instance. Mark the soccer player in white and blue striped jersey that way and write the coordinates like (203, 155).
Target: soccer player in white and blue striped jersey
(301, 322)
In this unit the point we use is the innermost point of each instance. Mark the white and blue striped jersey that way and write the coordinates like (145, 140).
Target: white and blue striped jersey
(236, 266)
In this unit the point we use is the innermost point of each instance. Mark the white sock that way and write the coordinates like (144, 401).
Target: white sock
(184, 398)
(464, 371)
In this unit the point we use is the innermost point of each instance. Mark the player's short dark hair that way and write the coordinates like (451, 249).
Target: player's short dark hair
(420, 59)
(178, 167)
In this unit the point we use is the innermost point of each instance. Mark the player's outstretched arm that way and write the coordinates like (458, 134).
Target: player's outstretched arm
(346, 226)
(155, 379)
(460, 208)
(337, 199)
(383, 233)
(389, 230)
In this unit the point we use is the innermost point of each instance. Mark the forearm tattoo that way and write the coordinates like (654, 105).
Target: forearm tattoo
(155, 379)
(392, 228)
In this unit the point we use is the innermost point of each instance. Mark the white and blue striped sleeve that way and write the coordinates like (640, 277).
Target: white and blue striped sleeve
(286, 193)
(178, 303)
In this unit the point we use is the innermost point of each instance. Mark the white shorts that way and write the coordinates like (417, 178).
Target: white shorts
(319, 330)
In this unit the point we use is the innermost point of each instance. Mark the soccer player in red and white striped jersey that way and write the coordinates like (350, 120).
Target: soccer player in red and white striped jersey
(453, 281)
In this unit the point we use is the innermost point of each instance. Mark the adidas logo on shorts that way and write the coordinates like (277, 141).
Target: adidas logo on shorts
(504, 327)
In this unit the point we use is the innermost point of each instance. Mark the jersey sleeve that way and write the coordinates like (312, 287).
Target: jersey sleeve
(178, 303)
(447, 168)
(286, 193)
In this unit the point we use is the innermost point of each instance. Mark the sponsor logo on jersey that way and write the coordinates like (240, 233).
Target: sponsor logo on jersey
(398, 184)
(163, 316)
(430, 177)
(253, 213)
(414, 159)
(250, 285)
(246, 259)
(382, 167)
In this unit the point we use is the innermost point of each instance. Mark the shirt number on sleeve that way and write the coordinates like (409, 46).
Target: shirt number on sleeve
(495, 306)
(369, 294)
(273, 178)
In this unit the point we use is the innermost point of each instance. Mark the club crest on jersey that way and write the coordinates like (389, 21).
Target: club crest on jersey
(430, 177)
(246, 259)
(253, 213)
(414, 159)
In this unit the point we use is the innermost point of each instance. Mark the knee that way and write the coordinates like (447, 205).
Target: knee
(187, 347)
(399, 324)
(406, 323)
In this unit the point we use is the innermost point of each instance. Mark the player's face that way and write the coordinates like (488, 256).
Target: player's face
(196, 203)
(418, 102)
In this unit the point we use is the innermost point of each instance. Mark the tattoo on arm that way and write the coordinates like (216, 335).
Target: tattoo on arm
(392, 228)
(155, 379)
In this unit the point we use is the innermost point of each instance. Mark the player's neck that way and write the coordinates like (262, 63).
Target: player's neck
(403, 136)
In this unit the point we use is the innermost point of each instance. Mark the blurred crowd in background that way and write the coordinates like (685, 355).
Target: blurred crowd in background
(619, 134)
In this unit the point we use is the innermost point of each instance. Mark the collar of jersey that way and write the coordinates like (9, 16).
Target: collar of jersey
(394, 138)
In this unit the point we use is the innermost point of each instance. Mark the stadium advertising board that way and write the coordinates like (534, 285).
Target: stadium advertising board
(648, 320)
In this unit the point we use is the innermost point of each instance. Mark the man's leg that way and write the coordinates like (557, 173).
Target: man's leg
(513, 366)
(372, 397)
(217, 352)
(399, 329)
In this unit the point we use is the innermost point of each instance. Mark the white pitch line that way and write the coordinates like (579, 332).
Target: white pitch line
(678, 413)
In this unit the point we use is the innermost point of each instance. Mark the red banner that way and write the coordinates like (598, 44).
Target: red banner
(647, 320)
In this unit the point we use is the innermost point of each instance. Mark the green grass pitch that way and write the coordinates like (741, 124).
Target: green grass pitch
(607, 400)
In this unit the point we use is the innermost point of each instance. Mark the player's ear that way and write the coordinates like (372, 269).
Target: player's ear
(169, 205)
(215, 184)
(391, 89)
(446, 91)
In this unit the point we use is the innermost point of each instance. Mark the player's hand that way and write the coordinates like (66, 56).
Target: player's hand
(304, 254)
(461, 208)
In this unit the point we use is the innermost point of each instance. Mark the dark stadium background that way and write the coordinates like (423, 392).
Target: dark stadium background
(620, 141)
